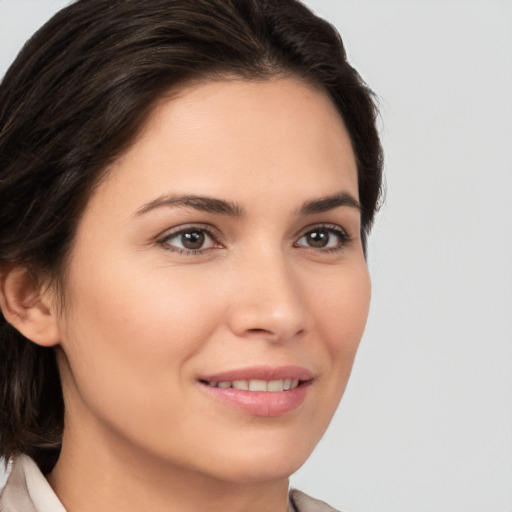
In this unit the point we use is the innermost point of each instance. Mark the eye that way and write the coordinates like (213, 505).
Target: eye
(190, 240)
(329, 238)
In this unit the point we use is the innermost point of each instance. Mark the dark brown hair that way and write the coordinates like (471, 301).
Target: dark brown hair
(76, 97)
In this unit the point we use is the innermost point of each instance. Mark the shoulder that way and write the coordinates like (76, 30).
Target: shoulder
(304, 503)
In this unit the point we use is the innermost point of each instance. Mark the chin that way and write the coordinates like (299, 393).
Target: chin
(264, 471)
(262, 462)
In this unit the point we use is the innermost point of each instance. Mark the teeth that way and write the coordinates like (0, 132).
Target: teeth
(257, 384)
(275, 385)
(241, 384)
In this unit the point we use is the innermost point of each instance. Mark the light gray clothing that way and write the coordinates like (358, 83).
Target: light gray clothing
(27, 490)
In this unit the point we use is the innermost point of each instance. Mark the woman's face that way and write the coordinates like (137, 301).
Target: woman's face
(217, 265)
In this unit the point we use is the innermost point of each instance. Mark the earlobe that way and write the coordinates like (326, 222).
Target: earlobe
(26, 307)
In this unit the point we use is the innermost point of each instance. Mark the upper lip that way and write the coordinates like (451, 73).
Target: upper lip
(261, 373)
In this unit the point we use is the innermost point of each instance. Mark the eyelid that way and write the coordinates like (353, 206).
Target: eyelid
(345, 238)
(324, 225)
(208, 229)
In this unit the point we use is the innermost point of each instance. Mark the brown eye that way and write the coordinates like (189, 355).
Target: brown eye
(318, 238)
(193, 240)
(329, 238)
(189, 240)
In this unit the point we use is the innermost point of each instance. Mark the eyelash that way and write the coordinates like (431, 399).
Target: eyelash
(340, 233)
(207, 230)
(343, 238)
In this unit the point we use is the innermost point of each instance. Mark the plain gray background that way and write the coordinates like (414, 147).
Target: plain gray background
(426, 422)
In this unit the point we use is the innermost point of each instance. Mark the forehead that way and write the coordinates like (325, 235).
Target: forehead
(221, 137)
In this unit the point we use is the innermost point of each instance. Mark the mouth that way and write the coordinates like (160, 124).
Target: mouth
(260, 391)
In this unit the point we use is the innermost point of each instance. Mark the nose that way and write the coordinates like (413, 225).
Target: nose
(268, 303)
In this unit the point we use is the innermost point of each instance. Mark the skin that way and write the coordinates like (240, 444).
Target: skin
(145, 316)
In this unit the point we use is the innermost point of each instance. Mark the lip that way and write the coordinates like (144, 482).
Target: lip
(260, 403)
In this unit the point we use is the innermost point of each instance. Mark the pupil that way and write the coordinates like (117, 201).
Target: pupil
(318, 238)
(192, 240)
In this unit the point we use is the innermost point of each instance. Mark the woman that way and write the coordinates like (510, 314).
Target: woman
(186, 189)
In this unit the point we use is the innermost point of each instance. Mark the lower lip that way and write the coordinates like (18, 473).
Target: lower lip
(261, 403)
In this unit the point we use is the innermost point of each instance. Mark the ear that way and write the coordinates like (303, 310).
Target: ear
(27, 306)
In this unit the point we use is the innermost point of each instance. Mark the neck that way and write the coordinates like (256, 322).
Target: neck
(89, 478)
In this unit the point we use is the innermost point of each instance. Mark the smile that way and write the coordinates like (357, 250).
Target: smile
(260, 391)
(257, 384)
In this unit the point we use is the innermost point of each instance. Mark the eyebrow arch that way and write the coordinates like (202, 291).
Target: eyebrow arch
(325, 204)
(202, 203)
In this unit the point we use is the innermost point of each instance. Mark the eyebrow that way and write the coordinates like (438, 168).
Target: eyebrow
(324, 204)
(220, 206)
(202, 203)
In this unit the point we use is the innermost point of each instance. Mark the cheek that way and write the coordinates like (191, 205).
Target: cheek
(127, 306)
(341, 314)
(133, 330)
(130, 346)
(343, 308)
(339, 308)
